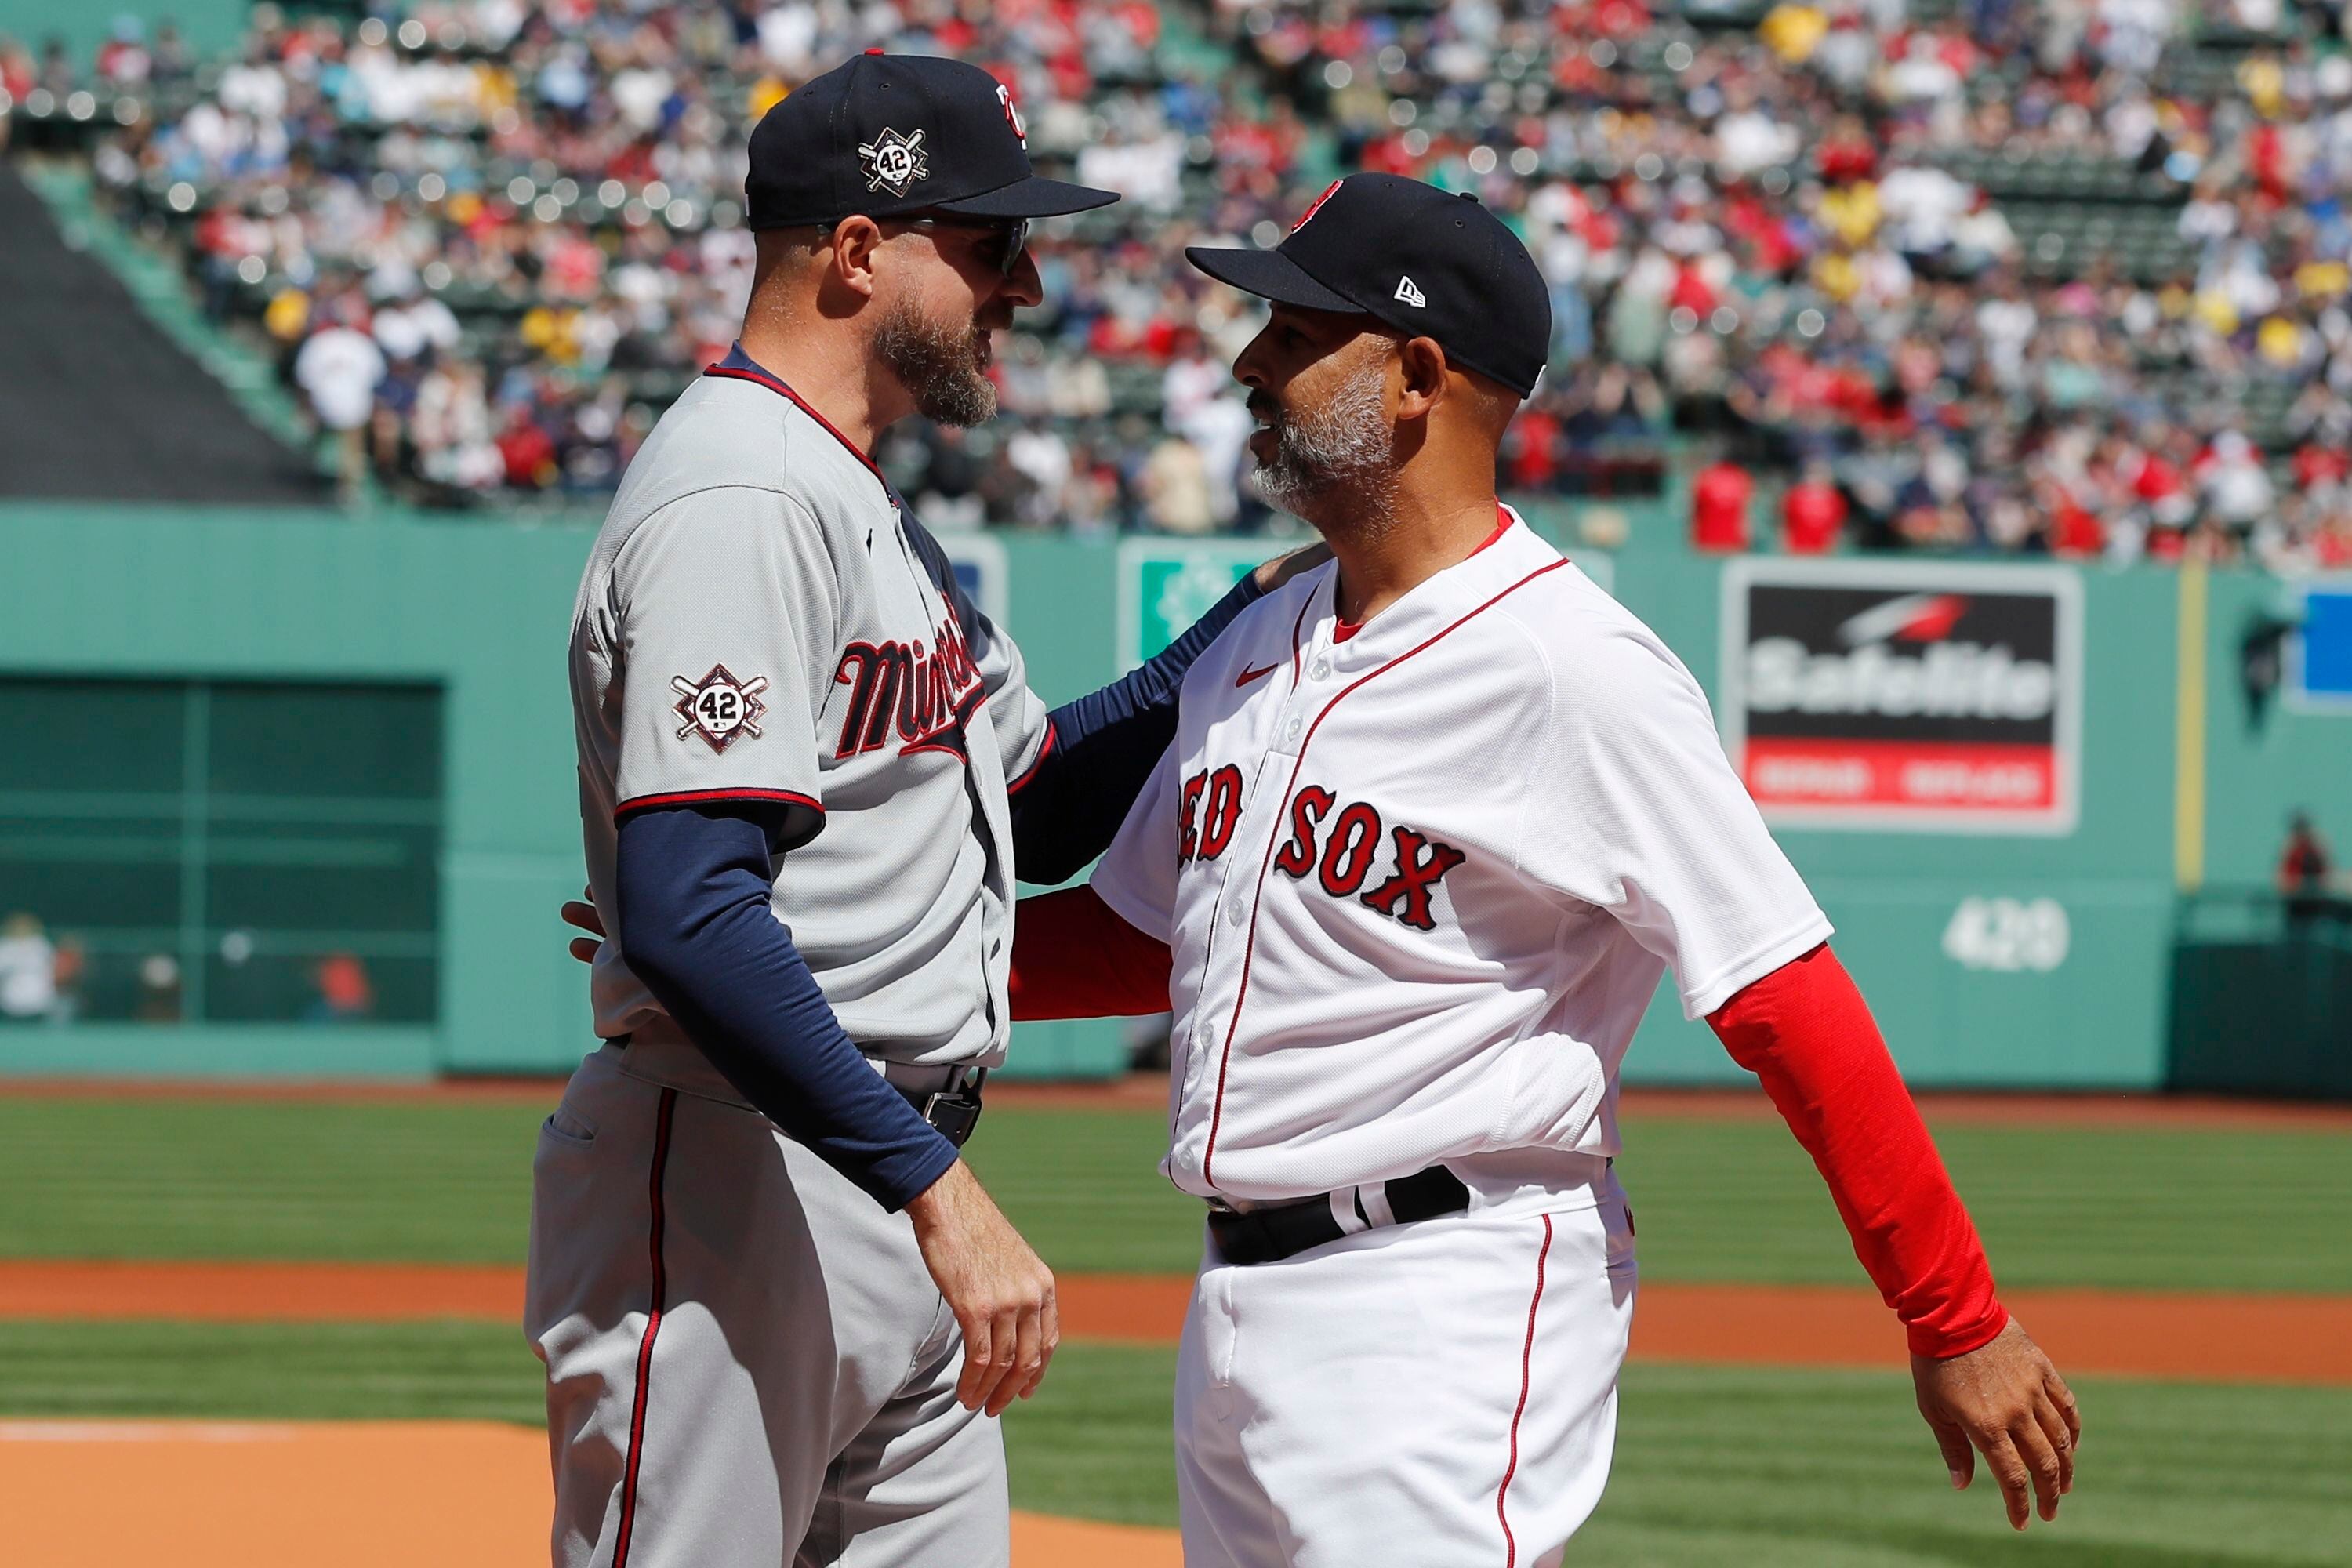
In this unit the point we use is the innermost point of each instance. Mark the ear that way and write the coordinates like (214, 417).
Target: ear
(1420, 368)
(855, 240)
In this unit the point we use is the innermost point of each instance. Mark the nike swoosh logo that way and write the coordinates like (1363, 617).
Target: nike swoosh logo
(1246, 676)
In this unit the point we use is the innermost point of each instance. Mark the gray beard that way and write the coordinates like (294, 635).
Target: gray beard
(1340, 452)
(936, 364)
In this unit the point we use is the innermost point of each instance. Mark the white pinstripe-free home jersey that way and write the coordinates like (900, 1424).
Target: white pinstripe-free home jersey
(1421, 884)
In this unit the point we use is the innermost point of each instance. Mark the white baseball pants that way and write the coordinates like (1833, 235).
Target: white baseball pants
(1438, 1394)
(748, 1365)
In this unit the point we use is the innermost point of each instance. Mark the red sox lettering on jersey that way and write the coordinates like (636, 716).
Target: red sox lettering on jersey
(1341, 859)
(1419, 883)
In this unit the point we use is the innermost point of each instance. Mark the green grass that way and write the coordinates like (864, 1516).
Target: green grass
(1771, 1468)
(2125, 1209)
(270, 1372)
(209, 1178)
(1716, 1465)
(1085, 1187)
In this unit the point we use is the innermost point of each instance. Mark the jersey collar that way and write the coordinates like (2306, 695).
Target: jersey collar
(1508, 554)
(740, 366)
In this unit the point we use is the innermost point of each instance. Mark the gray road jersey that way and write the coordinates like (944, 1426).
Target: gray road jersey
(760, 622)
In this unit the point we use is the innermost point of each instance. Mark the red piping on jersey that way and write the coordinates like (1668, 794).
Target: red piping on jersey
(1044, 750)
(1342, 630)
(703, 796)
(1295, 627)
(773, 385)
(1502, 526)
(1527, 1371)
(1249, 953)
(646, 1345)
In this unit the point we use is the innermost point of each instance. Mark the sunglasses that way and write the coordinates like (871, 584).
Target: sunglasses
(1003, 244)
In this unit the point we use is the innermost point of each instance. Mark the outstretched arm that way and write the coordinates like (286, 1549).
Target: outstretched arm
(1099, 749)
(1806, 1032)
(1073, 957)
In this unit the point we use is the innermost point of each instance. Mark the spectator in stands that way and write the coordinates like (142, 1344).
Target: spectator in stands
(158, 999)
(2303, 870)
(342, 993)
(1812, 512)
(1770, 234)
(28, 965)
(1720, 495)
(1175, 487)
(339, 369)
(72, 971)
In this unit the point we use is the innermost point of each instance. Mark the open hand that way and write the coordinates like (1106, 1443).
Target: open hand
(2005, 1398)
(1272, 574)
(1000, 1293)
(582, 912)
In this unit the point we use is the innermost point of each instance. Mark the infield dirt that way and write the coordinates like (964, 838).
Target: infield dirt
(2168, 1334)
(218, 1494)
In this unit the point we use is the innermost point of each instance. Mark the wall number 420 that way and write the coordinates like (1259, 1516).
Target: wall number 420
(2008, 934)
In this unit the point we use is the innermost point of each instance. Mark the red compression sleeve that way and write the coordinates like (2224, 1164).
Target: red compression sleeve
(1805, 1030)
(1073, 958)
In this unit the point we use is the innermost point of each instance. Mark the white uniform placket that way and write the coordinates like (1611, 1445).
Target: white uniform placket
(1242, 888)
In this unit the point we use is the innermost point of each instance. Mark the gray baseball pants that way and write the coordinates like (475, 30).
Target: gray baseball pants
(748, 1365)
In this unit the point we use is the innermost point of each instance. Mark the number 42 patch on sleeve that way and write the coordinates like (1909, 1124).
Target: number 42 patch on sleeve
(720, 708)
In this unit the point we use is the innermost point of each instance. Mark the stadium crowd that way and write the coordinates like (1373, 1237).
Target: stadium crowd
(1834, 250)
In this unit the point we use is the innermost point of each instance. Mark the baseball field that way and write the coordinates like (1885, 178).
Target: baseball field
(278, 1326)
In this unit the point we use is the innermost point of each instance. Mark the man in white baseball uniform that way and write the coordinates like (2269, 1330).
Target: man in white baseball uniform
(777, 1310)
(1436, 819)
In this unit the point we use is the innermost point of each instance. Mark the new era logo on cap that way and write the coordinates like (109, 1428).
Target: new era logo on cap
(1425, 262)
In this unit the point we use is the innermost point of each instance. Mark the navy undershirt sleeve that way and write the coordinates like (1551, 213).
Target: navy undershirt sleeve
(695, 926)
(1104, 746)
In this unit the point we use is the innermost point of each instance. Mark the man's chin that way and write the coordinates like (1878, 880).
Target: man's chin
(1286, 487)
(972, 403)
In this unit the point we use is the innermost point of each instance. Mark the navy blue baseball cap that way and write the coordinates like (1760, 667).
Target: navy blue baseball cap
(1429, 263)
(889, 135)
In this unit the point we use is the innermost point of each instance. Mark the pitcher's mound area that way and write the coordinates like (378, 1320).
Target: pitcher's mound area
(456, 1494)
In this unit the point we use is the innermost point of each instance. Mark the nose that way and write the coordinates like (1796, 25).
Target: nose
(1247, 369)
(1024, 290)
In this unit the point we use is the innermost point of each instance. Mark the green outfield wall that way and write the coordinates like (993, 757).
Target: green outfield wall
(210, 26)
(226, 604)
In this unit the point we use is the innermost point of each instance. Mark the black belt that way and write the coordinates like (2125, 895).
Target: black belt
(1268, 1235)
(954, 1111)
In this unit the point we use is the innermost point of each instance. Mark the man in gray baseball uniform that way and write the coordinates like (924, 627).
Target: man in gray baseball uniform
(778, 1312)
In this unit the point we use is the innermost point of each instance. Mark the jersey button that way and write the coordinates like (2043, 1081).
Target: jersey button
(1234, 913)
(1290, 731)
(1319, 669)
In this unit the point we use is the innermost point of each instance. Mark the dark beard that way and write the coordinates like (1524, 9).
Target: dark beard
(939, 364)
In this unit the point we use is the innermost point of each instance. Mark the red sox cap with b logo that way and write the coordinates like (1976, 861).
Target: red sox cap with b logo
(1424, 261)
(891, 135)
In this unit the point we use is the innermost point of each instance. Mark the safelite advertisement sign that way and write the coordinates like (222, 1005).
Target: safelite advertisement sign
(1905, 696)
